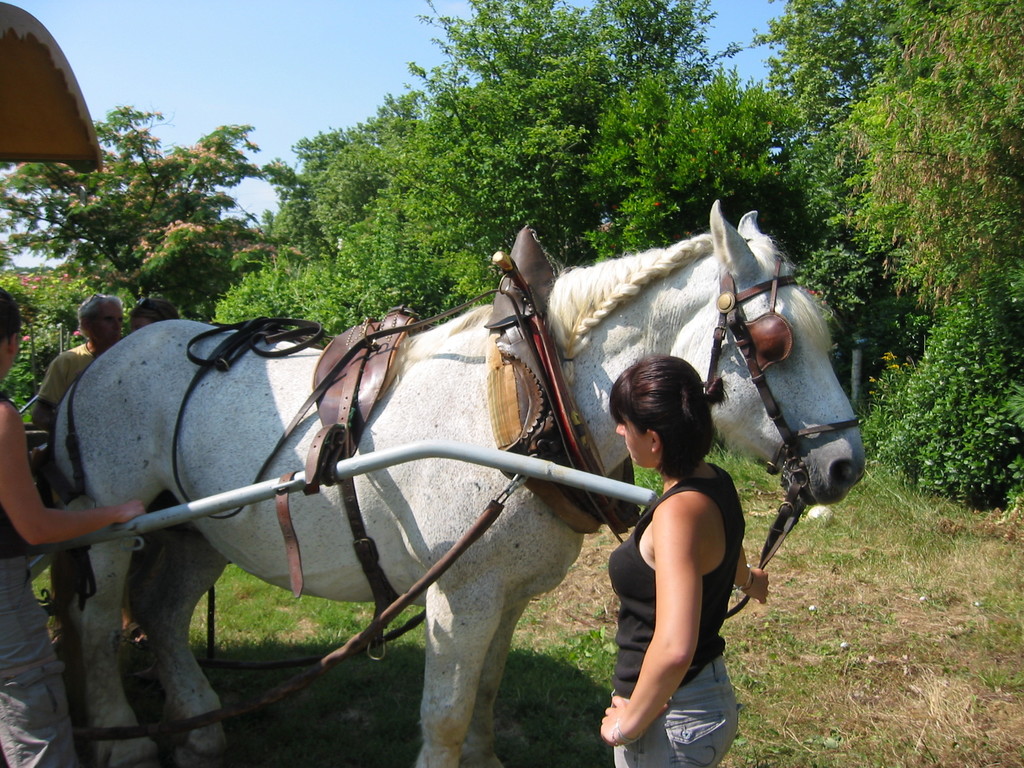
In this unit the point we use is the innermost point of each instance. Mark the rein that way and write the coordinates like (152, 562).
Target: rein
(242, 337)
(764, 341)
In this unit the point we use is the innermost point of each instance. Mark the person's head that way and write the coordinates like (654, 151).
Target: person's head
(665, 395)
(101, 319)
(10, 316)
(151, 309)
(10, 331)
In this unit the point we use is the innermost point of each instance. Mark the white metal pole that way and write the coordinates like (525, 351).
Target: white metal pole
(358, 465)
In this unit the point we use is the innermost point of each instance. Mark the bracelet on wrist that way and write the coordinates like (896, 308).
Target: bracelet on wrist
(620, 738)
(750, 579)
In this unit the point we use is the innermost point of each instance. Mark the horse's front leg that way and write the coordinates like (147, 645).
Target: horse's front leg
(478, 750)
(94, 660)
(177, 573)
(461, 625)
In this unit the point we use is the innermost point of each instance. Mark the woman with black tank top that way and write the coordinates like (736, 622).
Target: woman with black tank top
(673, 702)
(34, 725)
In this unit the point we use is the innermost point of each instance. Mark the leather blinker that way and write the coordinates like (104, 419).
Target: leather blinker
(773, 338)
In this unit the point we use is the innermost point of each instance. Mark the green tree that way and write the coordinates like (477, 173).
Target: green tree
(512, 118)
(657, 156)
(150, 221)
(948, 421)
(941, 139)
(518, 127)
(942, 187)
(829, 53)
(343, 173)
(827, 56)
(377, 267)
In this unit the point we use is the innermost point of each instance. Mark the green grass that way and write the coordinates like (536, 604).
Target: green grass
(892, 639)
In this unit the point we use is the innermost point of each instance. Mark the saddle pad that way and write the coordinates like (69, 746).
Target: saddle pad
(514, 399)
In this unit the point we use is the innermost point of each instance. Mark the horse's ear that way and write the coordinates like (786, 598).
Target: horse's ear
(731, 248)
(748, 226)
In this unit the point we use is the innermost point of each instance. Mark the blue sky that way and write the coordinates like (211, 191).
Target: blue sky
(290, 69)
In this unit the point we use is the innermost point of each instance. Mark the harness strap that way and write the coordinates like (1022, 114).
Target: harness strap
(330, 445)
(291, 541)
(369, 558)
(357, 365)
(788, 459)
(58, 482)
(333, 443)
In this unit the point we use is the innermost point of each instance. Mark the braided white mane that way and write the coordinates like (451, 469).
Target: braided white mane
(584, 296)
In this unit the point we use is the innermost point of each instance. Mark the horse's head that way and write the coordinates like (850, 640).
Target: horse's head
(669, 300)
(782, 396)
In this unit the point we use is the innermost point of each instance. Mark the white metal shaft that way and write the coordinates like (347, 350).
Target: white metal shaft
(358, 465)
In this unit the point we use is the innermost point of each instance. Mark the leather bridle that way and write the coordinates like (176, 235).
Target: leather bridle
(765, 341)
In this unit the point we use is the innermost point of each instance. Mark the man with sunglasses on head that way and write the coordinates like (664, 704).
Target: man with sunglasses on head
(100, 320)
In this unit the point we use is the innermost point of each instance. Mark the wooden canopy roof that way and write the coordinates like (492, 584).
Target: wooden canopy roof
(43, 117)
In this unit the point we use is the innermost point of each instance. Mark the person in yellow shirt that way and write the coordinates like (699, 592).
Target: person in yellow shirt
(100, 319)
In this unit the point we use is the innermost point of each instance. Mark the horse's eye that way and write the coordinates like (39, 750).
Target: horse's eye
(772, 337)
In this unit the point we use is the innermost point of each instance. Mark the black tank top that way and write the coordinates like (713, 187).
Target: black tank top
(633, 581)
(11, 543)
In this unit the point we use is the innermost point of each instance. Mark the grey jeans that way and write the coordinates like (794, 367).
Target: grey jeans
(695, 731)
(35, 730)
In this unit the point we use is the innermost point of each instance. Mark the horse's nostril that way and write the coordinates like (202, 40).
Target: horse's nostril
(845, 472)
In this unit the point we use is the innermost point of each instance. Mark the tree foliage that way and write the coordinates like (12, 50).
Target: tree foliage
(828, 55)
(830, 52)
(149, 222)
(942, 187)
(941, 137)
(947, 421)
(48, 301)
(513, 118)
(657, 156)
(533, 120)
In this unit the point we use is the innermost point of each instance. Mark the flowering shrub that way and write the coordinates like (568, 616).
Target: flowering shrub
(49, 305)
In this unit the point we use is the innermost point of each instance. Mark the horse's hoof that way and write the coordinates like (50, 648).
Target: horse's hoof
(137, 753)
(198, 755)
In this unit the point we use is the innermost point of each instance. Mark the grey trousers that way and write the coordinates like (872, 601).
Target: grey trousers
(697, 729)
(35, 730)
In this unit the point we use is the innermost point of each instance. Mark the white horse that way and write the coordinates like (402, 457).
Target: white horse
(605, 318)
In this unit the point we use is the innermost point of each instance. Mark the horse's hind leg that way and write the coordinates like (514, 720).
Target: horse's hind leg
(164, 593)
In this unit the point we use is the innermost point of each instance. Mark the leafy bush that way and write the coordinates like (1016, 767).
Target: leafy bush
(947, 422)
(377, 266)
(49, 305)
